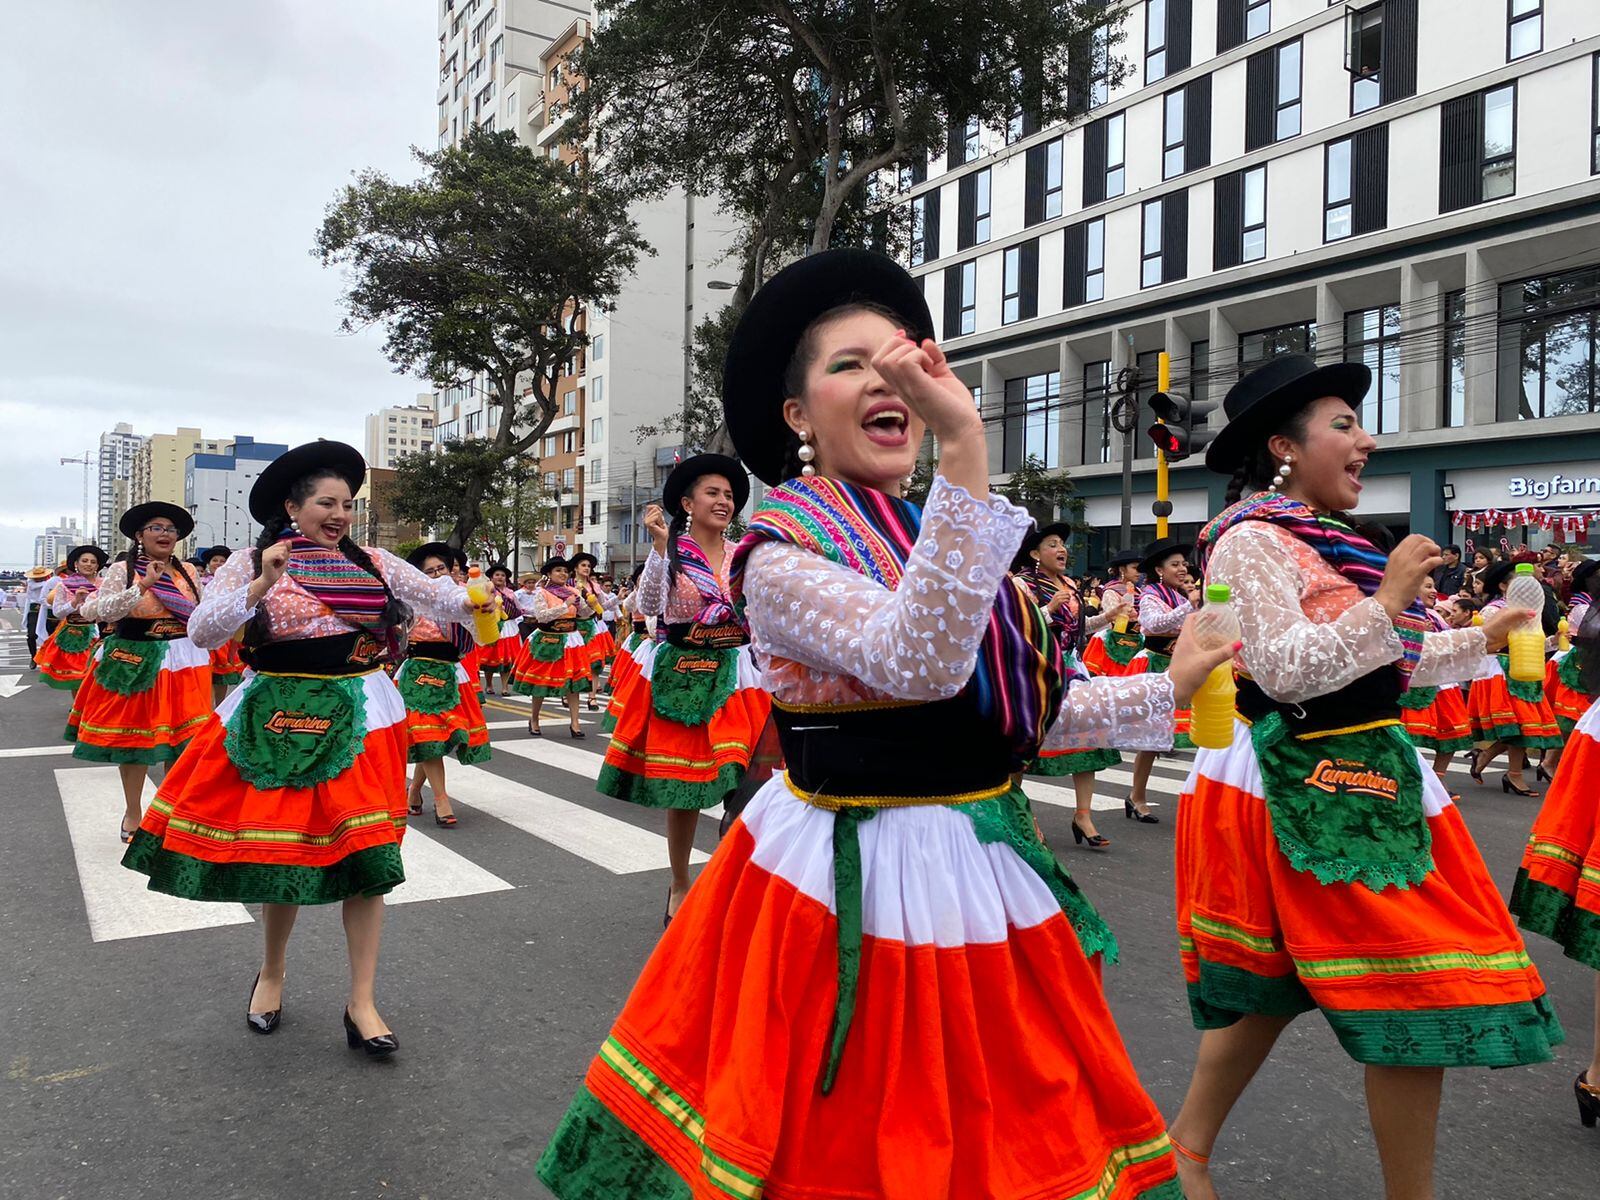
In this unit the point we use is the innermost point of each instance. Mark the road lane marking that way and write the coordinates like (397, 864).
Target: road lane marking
(116, 900)
(435, 872)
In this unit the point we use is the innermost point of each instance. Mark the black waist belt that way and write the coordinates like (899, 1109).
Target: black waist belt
(875, 755)
(563, 625)
(440, 651)
(342, 654)
(151, 629)
(1157, 643)
(1373, 697)
(695, 636)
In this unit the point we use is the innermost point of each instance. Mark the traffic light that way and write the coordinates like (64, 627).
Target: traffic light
(1175, 433)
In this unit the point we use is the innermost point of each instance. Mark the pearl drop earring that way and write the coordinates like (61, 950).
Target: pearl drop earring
(807, 454)
(294, 526)
(1282, 477)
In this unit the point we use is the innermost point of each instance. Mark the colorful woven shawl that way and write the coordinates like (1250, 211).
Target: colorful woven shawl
(693, 565)
(173, 598)
(1579, 600)
(1340, 546)
(355, 595)
(1018, 681)
(1169, 596)
(1067, 619)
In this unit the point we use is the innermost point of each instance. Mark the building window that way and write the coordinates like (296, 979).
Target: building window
(1287, 121)
(1257, 18)
(597, 429)
(1548, 346)
(1053, 176)
(1594, 119)
(1011, 298)
(1100, 66)
(1150, 255)
(569, 403)
(1254, 243)
(1020, 272)
(1155, 40)
(1454, 414)
(1116, 153)
(961, 299)
(1524, 28)
(973, 134)
(597, 389)
(1172, 135)
(1261, 345)
(1032, 421)
(597, 347)
(569, 480)
(925, 227)
(1096, 446)
(1381, 53)
(973, 195)
(1372, 336)
(1272, 95)
(1499, 146)
(1094, 277)
(1336, 207)
(1199, 371)
(1478, 148)
(980, 220)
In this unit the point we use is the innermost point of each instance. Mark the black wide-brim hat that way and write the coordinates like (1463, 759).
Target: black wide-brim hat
(1122, 558)
(282, 473)
(443, 551)
(1158, 552)
(100, 556)
(1034, 540)
(497, 566)
(690, 469)
(1583, 572)
(572, 563)
(550, 564)
(772, 325)
(137, 517)
(209, 554)
(1495, 574)
(1267, 397)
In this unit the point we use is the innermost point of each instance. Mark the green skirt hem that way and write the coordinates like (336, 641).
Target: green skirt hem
(1226, 994)
(456, 745)
(1435, 746)
(153, 757)
(613, 781)
(538, 691)
(369, 872)
(593, 1156)
(1076, 763)
(61, 685)
(1550, 912)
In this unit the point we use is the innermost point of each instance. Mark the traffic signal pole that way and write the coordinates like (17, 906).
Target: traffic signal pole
(1161, 507)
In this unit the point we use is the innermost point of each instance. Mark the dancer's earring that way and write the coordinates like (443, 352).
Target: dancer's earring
(807, 454)
(1282, 477)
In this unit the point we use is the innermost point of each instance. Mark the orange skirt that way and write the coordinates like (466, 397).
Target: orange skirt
(539, 672)
(459, 729)
(1442, 726)
(1557, 892)
(64, 659)
(660, 763)
(981, 1061)
(503, 653)
(1434, 975)
(1567, 703)
(624, 670)
(601, 648)
(226, 665)
(210, 835)
(1097, 659)
(1499, 715)
(152, 726)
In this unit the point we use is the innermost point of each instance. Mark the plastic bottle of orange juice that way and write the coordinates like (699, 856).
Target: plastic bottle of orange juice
(1525, 645)
(1211, 711)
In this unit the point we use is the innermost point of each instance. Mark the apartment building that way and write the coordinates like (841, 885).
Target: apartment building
(119, 449)
(216, 490)
(159, 465)
(394, 432)
(1413, 185)
(50, 547)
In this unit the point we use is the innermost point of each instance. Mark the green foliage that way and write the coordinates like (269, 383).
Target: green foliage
(428, 485)
(404, 549)
(1048, 495)
(477, 270)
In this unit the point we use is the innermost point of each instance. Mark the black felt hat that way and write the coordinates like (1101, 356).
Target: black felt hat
(690, 469)
(137, 517)
(771, 327)
(1581, 574)
(282, 473)
(100, 556)
(572, 563)
(1158, 552)
(1122, 558)
(497, 566)
(207, 555)
(443, 551)
(1034, 540)
(1494, 575)
(550, 564)
(1267, 397)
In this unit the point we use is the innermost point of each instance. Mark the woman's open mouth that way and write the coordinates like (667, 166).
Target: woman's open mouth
(1353, 473)
(885, 424)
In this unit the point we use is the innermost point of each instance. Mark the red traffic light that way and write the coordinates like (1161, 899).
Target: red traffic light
(1166, 438)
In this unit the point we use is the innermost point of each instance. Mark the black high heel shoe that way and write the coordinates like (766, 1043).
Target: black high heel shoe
(1476, 771)
(1515, 789)
(1588, 1100)
(264, 1022)
(1133, 814)
(1542, 775)
(1095, 841)
(376, 1047)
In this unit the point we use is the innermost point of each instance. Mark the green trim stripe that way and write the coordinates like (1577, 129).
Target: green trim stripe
(729, 1178)
(1232, 933)
(1120, 1160)
(1551, 850)
(278, 837)
(1349, 968)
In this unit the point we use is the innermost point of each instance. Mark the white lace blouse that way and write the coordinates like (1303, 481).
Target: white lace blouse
(823, 634)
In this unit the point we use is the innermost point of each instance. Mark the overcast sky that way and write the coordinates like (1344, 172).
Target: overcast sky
(163, 169)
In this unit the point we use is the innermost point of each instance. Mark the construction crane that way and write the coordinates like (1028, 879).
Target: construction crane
(88, 461)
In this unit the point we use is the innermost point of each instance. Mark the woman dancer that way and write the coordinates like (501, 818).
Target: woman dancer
(1320, 863)
(593, 601)
(1564, 680)
(554, 661)
(692, 715)
(294, 793)
(227, 667)
(502, 656)
(881, 985)
(1167, 597)
(472, 654)
(1436, 718)
(1118, 648)
(1510, 714)
(443, 716)
(635, 649)
(63, 660)
(150, 689)
(1042, 564)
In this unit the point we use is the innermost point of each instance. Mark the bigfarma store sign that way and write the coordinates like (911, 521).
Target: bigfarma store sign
(1552, 487)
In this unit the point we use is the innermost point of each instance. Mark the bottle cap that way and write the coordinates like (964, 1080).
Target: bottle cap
(1217, 593)
(1524, 569)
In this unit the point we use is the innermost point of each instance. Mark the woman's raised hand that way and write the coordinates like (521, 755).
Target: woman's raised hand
(922, 378)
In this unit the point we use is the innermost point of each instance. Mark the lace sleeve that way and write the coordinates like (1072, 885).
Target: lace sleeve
(1449, 656)
(918, 642)
(1290, 656)
(61, 600)
(116, 597)
(652, 589)
(1155, 617)
(222, 610)
(547, 607)
(442, 599)
(1134, 712)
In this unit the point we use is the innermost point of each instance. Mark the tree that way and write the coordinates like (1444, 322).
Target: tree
(515, 511)
(477, 271)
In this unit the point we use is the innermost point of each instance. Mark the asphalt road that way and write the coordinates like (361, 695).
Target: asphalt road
(129, 1072)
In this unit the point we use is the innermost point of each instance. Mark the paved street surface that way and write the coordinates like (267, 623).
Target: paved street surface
(129, 1072)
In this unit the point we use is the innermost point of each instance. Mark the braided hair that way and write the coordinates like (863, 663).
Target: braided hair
(396, 613)
(678, 526)
(1257, 468)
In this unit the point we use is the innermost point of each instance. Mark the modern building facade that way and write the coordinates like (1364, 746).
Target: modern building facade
(216, 489)
(119, 449)
(159, 466)
(1413, 185)
(394, 432)
(51, 546)
(375, 521)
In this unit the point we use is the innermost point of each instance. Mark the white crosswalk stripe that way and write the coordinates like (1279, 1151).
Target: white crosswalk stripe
(116, 900)
(435, 872)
